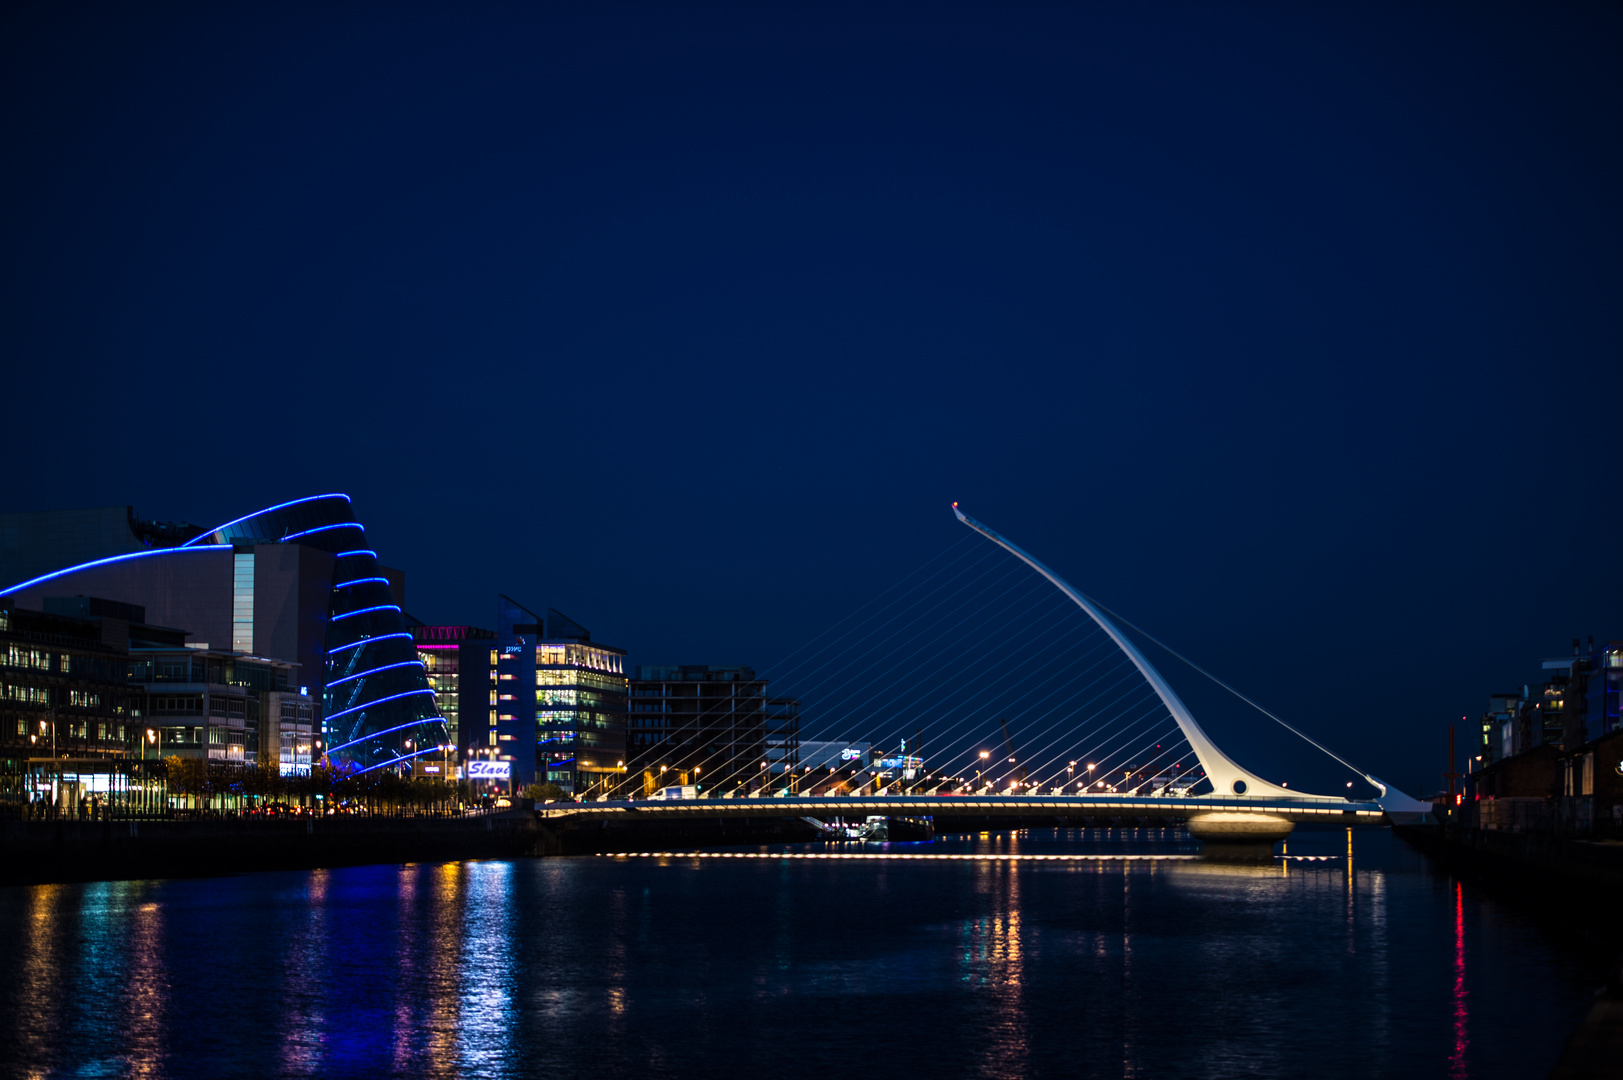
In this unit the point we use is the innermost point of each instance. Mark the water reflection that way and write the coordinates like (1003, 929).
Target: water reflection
(1462, 1038)
(145, 982)
(486, 970)
(1001, 967)
(992, 958)
(41, 975)
(300, 1019)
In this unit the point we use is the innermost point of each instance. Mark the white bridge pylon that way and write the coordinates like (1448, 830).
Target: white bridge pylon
(1229, 779)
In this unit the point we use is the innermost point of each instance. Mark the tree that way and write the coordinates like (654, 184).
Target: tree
(547, 792)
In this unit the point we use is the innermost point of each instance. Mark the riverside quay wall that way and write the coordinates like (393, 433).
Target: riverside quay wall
(39, 852)
(54, 851)
(1531, 863)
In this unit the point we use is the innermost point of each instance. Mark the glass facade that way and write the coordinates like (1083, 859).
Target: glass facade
(378, 706)
(580, 715)
(242, 602)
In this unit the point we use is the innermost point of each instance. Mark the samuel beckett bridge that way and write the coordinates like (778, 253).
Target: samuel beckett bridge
(1105, 738)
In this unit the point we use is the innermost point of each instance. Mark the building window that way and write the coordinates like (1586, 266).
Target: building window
(242, 603)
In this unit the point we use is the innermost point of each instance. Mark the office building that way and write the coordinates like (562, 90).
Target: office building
(294, 582)
(62, 690)
(220, 706)
(711, 726)
(460, 664)
(559, 701)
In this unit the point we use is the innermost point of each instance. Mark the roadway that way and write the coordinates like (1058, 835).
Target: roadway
(1297, 811)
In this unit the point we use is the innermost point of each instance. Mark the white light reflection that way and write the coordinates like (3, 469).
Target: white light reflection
(41, 983)
(892, 857)
(146, 984)
(485, 972)
(301, 1018)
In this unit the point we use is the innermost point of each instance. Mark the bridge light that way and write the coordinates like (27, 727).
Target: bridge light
(985, 754)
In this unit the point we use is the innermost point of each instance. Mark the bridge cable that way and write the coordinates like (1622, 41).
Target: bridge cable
(994, 591)
(780, 676)
(1307, 738)
(938, 734)
(846, 694)
(834, 626)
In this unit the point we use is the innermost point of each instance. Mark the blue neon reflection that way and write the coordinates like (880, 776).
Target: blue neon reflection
(374, 671)
(385, 731)
(364, 610)
(361, 581)
(257, 513)
(398, 760)
(367, 640)
(379, 701)
(322, 528)
(99, 562)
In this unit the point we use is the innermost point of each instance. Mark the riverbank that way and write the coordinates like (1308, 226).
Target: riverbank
(1572, 884)
(48, 852)
(62, 851)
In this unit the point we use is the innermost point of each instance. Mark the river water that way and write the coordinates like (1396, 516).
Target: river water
(1072, 953)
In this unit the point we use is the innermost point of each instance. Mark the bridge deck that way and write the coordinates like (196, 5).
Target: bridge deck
(1296, 810)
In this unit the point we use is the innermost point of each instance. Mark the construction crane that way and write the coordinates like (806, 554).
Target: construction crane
(1008, 744)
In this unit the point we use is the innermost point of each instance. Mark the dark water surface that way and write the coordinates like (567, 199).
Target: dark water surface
(684, 966)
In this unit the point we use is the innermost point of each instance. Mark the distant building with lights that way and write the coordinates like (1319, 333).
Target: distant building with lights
(712, 726)
(459, 663)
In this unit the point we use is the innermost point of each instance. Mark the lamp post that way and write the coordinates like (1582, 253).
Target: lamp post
(984, 755)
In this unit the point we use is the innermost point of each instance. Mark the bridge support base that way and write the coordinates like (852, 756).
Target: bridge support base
(1233, 827)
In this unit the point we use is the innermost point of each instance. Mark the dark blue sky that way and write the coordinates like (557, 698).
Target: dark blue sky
(1290, 331)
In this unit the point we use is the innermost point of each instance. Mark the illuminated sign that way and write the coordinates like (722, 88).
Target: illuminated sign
(489, 770)
(850, 755)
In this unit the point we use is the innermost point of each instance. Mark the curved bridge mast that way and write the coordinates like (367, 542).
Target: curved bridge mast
(1229, 779)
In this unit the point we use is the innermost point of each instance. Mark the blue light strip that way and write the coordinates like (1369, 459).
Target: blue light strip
(385, 731)
(366, 641)
(363, 611)
(398, 760)
(99, 562)
(379, 701)
(257, 513)
(374, 671)
(321, 528)
(357, 551)
(360, 581)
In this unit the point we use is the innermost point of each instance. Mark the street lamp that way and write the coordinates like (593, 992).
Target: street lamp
(984, 755)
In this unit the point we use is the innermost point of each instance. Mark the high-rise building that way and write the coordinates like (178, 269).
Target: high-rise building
(459, 662)
(711, 726)
(560, 702)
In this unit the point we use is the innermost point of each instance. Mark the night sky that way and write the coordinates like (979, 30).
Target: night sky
(1289, 331)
